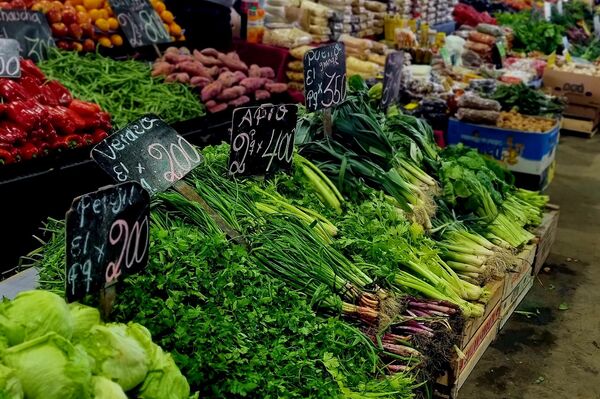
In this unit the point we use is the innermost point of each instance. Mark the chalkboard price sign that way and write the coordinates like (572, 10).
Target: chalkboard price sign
(9, 59)
(262, 139)
(30, 29)
(392, 78)
(325, 76)
(147, 151)
(140, 23)
(107, 235)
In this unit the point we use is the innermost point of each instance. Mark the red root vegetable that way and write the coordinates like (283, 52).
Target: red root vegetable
(276, 88)
(231, 93)
(261, 95)
(162, 68)
(171, 58)
(217, 108)
(184, 58)
(239, 76)
(193, 68)
(253, 84)
(267, 72)
(211, 52)
(214, 71)
(233, 62)
(200, 81)
(210, 103)
(183, 77)
(172, 50)
(211, 91)
(239, 101)
(206, 60)
(254, 71)
(228, 78)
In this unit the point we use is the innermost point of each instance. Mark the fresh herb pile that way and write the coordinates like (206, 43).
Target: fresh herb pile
(122, 88)
(526, 100)
(532, 33)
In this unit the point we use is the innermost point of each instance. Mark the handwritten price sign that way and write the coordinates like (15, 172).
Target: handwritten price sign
(147, 151)
(392, 78)
(325, 76)
(262, 139)
(140, 23)
(30, 29)
(107, 237)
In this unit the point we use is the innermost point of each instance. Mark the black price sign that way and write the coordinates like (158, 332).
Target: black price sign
(147, 151)
(108, 235)
(30, 29)
(392, 78)
(262, 139)
(140, 22)
(9, 59)
(325, 76)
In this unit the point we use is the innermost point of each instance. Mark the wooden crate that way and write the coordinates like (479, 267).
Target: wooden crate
(546, 234)
(584, 127)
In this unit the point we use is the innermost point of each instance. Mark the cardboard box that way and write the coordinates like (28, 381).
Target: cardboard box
(524, 268)
(579, 126)
(578, 88)
(546, 233)
(484, 336)
(584, 112)
(496, 289)
(523, 152)
(510, 303)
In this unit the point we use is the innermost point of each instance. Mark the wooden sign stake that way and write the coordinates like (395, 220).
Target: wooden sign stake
(327, 122)
(108, 296)
(158, 54)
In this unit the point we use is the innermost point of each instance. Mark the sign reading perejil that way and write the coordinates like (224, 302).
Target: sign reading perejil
(325, 76)
(140, 22)
(147, 151)
(9, 59)
(262, 139)
(107, 235)
(30, 29)
(392, 78)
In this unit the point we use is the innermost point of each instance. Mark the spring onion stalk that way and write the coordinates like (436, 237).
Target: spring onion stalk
(323, 186)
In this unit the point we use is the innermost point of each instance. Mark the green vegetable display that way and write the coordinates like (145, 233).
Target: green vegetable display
(532, 33)
(526, 100)
(122, 88)
(10, 385)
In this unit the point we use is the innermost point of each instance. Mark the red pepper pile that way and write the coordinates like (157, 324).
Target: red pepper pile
(467, 15)
(38, 115)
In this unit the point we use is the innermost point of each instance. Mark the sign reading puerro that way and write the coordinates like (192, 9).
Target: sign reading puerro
(325, 76)
(107, 233)
(147, 151)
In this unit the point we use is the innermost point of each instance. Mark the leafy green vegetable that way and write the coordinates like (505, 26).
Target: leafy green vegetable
(10, 386)
(103, 388)
(50, 367)
(527, 100)
(532, 33)
(84, 318)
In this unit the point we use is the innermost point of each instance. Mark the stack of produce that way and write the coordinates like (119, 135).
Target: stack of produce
(475, 109)
(224, 80)
(376, 13)
(81, 24)
(434, 11)
(286, 37)
(483, 38)
(295, 68)
(532, 32)
(40, 115)
(54, 350)
(122, 88)
(364, 57)
(580, 69)
(316, 20)
(526, 100)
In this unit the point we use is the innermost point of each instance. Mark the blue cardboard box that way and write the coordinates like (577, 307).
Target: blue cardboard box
(522, 152)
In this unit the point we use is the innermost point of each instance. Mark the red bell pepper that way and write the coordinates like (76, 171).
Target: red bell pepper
(28, 151)
(28, 68)
(32, 87)
(62, 120)
(29, 113)
(87, 139)
(48, 97)
(61, 92)
(84, 108)
(7, 157)
(11, 133)
(10, 90)
(99, 135)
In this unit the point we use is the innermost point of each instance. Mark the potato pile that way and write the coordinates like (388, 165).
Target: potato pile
(516, 121)
(224, 80)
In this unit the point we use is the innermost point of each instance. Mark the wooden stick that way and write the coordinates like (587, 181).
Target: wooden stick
(327, 123)
(108, 296)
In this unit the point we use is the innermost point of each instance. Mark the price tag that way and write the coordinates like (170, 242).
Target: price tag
(147, 151)
(30, 29)
(597, 25)
(565, 43)
(9, 59)
(325, 76)
(547, 11)
(140, 23)
(108, 235)
(262, 139)
(559, 7)
(392, 78)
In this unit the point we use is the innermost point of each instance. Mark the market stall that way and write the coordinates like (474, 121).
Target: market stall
(347, 202)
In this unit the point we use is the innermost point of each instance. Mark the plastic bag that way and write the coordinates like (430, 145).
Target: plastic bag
(288, 38)
(479, 48)
(473, 101)
(477, 116)
(486, 86)
(489, 29)
(479, 37)
(295, 66)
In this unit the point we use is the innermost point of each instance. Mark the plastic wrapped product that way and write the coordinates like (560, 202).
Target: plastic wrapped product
(295, 76)
(296, 86)
(471, 59)
(295, 66)
(487, 86)
(471, 100)
(479, 48)
(288, 38)
(483, 38)
(477, 116)
(298, 52)
(489, 29)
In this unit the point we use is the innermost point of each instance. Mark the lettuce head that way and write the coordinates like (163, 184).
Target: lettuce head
(103, 388)
(10, 386)
(84, 318)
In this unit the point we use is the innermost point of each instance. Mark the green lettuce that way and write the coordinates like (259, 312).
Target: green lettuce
(33, 314)
(103, 388)
(10, 386)
(50, 367)
(116, 354)
(84, 318)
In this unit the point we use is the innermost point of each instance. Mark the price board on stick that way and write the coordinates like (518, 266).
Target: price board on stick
(107, 237)
(147, 151)
(392, 78)
(9, 59)
(30, 29)
(325, 77)
(262, 139)
(140, 23)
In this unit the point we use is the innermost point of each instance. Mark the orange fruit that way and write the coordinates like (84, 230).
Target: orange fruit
(103, 13)
(94, 14)
(175, 29)
(102, 24)
(167, 16)
(92, 4)
(181, 38)
(113, 24)
(104, 42)
(159, 6)
(76, 2)
(117, 40)
(77, 46)
(80, 8)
